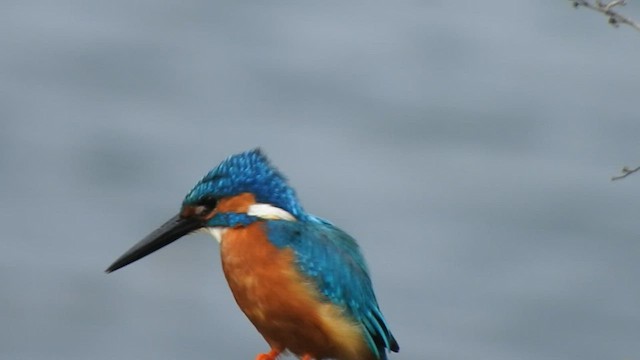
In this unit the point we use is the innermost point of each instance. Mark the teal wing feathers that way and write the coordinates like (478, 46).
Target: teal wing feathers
(332, 260)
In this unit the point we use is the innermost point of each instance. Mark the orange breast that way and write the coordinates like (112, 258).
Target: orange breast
(284, 307)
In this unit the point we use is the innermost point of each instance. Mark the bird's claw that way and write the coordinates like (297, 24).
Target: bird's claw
(271, 355)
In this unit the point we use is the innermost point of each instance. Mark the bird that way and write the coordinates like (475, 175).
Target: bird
(300, 280)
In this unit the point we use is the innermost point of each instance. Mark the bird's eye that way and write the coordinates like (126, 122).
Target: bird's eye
(202, 210)
(205, 206)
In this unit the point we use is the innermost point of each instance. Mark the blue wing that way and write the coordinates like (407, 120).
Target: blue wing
(332, 259)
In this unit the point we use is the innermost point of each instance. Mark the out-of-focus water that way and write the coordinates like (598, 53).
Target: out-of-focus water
(468, 145)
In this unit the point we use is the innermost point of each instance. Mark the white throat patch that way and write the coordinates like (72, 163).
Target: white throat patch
(217, 232)
(263, 211)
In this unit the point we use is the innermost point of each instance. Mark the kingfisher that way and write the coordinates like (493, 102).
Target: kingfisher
(301, 281)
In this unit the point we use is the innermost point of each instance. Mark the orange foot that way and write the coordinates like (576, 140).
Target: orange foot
(307, 357)
(272, 355)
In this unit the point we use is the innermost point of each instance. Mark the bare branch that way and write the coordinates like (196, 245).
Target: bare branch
(608, 9)
(625, 172)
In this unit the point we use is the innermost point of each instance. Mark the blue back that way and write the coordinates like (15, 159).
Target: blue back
(332, 260)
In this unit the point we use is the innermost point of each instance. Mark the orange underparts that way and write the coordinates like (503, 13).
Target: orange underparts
(282, 304)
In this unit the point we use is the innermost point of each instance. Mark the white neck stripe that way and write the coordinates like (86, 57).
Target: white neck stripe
(263, 211)
(269, 212)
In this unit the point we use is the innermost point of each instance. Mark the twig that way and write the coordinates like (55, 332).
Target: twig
(625, 172)
(607, 8)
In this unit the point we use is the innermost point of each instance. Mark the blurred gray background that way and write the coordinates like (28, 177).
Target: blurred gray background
(468, 145)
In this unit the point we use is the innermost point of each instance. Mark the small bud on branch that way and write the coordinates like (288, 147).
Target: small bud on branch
(607, 9)
(625, 172)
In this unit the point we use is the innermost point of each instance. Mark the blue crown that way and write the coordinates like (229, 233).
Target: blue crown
(247, 172)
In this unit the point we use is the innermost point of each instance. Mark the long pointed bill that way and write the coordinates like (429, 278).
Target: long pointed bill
(169, 232)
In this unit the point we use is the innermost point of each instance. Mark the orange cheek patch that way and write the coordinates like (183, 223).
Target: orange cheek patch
(239, 203)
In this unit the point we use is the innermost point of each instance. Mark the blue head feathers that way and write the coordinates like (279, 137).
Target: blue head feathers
(247, 172)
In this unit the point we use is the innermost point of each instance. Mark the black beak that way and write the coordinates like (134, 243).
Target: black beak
(169, 232)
